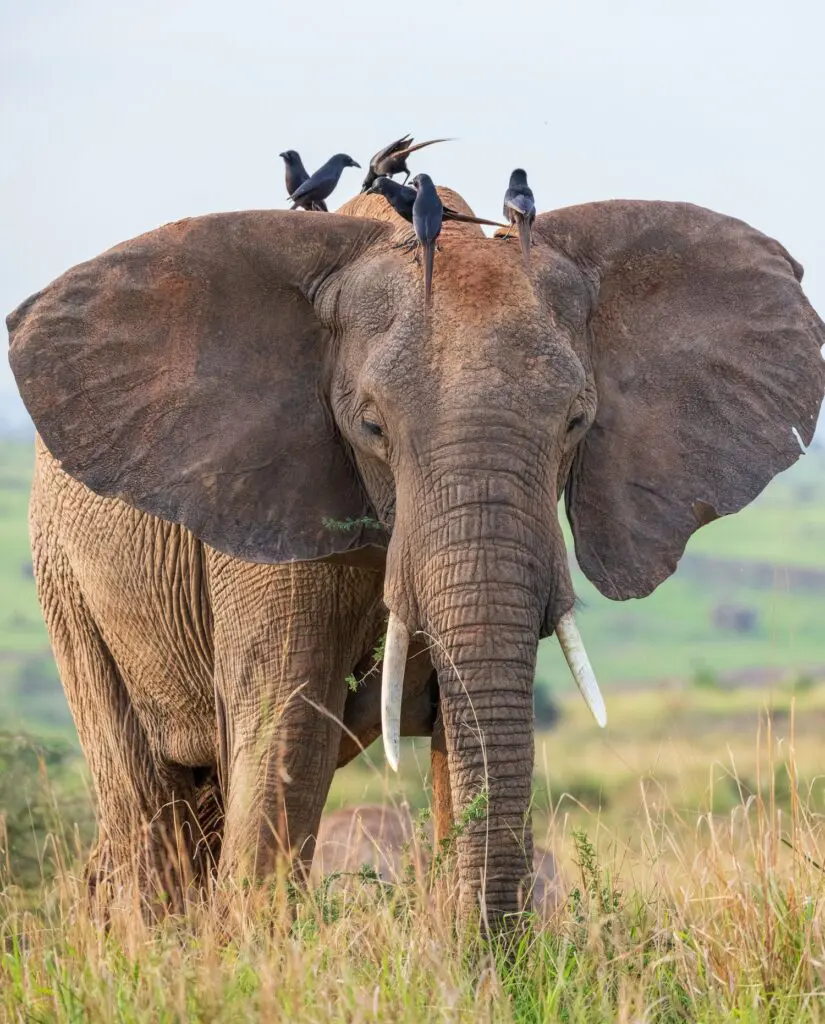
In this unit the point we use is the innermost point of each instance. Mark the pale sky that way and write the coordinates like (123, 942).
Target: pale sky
(116, 118)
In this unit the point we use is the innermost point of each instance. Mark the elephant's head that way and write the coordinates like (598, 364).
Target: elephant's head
(274, 382)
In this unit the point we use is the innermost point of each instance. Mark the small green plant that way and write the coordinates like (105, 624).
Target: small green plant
(352, 681)
(350, 525)
(596, 900)
(476, 810)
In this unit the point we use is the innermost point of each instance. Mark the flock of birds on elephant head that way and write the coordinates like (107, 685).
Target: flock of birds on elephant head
(417, 203)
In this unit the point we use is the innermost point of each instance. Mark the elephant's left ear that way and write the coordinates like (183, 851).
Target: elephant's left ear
(186, 372)
(709, 373)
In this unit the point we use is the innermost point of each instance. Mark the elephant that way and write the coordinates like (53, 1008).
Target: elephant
(256, 443)
(385, 839)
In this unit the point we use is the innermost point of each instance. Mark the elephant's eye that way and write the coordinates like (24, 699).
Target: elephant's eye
(372, 428)
(576, 422)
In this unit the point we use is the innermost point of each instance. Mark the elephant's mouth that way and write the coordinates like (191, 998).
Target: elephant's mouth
(395, 660)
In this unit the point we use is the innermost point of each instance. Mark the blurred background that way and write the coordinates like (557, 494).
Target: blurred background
(116, 119)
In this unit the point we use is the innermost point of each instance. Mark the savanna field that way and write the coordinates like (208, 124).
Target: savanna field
(689, 834)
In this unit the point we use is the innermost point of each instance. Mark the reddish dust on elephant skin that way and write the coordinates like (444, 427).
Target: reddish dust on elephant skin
(479, 275)
(476, 273)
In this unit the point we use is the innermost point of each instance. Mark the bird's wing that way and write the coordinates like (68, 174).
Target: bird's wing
(393, 147)
(406, 193)
(427, 223)
(521, 203)
(302, 189)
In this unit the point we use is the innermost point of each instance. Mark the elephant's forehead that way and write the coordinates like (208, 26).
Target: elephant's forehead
(478, 280)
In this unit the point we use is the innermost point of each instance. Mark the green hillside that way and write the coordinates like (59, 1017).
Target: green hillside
(765, 566)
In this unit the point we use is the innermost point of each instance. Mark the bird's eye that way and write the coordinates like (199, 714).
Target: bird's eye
(372, 428)
(576, 422)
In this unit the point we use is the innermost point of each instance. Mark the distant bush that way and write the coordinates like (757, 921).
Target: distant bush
(704, 678)
(38, 695)
(803, 683)
(42, 792)
(546, 710)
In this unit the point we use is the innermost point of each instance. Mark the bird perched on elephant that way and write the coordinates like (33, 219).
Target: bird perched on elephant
(255, 445)
(392, 159)
(520, 209)
(296, 174)
(320, 185)
(402, 199)
(427, 218)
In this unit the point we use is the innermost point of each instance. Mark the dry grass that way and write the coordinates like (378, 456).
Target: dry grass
(683, 906)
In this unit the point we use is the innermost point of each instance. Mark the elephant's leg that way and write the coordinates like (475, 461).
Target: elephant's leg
(362, 711)
(442, 801)
(145, 817)
(285, 639)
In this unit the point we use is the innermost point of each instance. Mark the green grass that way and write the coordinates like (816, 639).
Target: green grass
(21, 625)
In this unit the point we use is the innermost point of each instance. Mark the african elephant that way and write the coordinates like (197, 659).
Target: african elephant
(260, 438)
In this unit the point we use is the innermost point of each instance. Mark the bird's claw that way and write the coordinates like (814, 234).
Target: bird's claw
(407, 244)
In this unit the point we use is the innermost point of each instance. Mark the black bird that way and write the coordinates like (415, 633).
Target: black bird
(320, 185)
(392, 159)
(401, 198)
(520, 210)
(296, 175)
(427, 215)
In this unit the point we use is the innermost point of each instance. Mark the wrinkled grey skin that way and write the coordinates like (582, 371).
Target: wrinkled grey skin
(223, 391)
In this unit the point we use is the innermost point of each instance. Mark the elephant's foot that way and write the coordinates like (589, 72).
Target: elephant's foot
(155, 866)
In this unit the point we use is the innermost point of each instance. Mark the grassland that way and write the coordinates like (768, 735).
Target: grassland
(689, 836)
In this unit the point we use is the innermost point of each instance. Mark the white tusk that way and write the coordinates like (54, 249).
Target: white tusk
(571, 643)
(392, 687)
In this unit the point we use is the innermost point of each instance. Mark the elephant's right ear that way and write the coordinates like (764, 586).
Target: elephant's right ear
(183, 372)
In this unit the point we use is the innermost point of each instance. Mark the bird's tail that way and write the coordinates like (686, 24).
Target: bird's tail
(429, 254)
(419, 145)
(525, 234)
(465, 218)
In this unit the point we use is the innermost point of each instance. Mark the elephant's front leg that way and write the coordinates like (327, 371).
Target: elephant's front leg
(285, 638)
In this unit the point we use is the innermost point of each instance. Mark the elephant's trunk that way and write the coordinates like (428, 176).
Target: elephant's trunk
(485, 673)
(477, 570)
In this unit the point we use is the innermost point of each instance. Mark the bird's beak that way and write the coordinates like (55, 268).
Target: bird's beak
(282, 156)
(354, 164)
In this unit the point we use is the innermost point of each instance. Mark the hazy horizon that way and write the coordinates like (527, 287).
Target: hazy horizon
(117, 120)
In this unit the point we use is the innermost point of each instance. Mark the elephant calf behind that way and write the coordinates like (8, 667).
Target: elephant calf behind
(385, 839)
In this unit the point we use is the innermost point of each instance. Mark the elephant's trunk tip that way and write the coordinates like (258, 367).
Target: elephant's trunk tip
(392, 687)
(572, 645)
